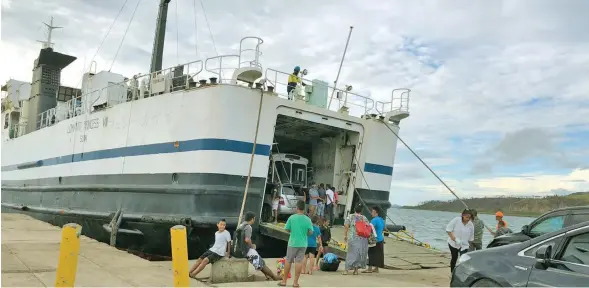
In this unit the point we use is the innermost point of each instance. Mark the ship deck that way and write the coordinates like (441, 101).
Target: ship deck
(399, 254)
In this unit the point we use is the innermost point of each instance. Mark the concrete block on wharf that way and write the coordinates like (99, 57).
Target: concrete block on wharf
(229, 270)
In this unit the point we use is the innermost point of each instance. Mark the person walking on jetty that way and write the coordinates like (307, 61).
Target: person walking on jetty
(460, 232)
(219, 250)
(251, 254)
(275, 204)
(376, 253)
(479, 225)
(313, 247)
(499, 217)
(321, 201)
(329, 204)
(313, 198)
(502, 230)
(300, 227)
(325, 237)
(356, 232)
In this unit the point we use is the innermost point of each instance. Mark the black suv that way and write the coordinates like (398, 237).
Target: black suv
(547, 223)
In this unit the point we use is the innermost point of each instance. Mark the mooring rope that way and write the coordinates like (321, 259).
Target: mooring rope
(249, 173)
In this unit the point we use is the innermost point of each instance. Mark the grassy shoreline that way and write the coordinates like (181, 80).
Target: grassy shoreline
(517, 214)
(509, 205)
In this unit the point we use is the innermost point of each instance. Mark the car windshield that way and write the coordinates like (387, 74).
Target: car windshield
(286, 190)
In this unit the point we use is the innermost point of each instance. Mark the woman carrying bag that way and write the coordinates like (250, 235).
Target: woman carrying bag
(376, 242)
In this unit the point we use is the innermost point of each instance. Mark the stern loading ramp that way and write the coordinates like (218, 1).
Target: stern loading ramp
(294, 131)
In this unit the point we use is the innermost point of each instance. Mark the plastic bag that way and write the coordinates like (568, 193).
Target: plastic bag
(280, 267)
(330, 258)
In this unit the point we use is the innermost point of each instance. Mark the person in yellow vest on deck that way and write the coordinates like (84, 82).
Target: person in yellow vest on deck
(499, 217)
(293, 80)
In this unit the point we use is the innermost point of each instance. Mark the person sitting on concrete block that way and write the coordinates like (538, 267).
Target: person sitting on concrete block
(219, 250)
(252, 255)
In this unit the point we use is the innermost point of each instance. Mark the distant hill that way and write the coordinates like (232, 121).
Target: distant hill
(522, 206)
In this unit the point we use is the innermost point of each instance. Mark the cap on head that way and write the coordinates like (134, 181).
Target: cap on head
(499, 214)
(297, 69)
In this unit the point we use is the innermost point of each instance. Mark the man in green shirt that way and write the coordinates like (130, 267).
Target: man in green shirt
(479, 225)
(300, 228)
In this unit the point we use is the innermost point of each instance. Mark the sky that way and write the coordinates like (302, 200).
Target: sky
(499, 96)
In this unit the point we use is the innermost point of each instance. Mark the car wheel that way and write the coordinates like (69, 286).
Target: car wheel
(266, 213)
(485, 283)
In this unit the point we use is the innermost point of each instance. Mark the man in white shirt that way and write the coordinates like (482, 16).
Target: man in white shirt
(460, 233)
(215, 253)
(330, 195)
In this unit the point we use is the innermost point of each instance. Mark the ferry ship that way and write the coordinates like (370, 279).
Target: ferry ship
(130, 157)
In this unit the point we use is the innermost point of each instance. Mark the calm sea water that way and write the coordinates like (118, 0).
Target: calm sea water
(429, 226)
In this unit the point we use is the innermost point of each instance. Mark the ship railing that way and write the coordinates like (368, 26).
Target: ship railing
(176, 78)
(399, 102)
(250, 57)
(355, 104)
(52, 116)
(221, 66)
(17, 130)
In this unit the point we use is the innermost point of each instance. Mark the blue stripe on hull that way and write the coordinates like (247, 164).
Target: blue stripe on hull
(378, 169)
(149, 149)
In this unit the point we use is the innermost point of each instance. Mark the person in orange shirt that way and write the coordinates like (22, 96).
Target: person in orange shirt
(499, 217)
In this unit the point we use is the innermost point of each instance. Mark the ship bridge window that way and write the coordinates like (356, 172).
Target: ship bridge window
(283, 170)
(299, 173)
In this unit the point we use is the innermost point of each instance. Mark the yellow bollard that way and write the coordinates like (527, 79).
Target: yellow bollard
(179, 256)
(69, 248)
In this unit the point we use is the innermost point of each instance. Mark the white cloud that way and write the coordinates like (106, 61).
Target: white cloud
(578, 180)
(493, 56)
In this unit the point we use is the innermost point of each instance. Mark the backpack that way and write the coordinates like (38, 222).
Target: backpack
(330, 263)
(239, 248)
(362, 229)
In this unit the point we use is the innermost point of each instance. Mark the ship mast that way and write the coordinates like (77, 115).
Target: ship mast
(160, 35)
(47, 43)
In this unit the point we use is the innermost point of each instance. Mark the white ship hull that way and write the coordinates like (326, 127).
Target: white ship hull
(180, 157)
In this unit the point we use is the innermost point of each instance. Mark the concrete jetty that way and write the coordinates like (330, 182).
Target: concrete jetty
(399, 255)
(30, 252)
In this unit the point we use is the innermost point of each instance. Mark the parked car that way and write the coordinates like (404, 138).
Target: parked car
(548, 222)
(289, 196)
(556, 259)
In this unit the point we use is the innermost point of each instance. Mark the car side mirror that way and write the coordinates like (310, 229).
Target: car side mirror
(525, 229)
(543, 255)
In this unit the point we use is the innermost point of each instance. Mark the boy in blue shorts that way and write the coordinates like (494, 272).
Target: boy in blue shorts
(313, 241)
